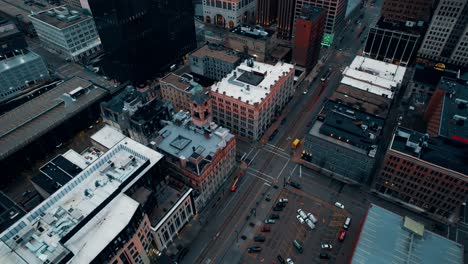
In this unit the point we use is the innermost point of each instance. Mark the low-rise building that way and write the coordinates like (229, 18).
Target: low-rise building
(247, 99)
(385, 237)
(67, 32)
(198, 152)
(214, 61)
(374, 76)
(254, 41)
(426, 174)
(10, 212)
(229, 13)
(343, 142)
(178, 90)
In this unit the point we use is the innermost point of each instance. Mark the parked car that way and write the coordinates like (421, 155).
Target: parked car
(339, 205)
(290, 261)
(296, 185)
(280, 259)
(298, 245)
(312, 218)
(342, 235)
(274, 216)
(277, 208)
(324, 256)
(281, 204)
(301, 220)
(326, 246)
(302, 213)
(259, 239)
(254, 249)
(283, 200)
(266, 228)
(269, 221)
(310, 224)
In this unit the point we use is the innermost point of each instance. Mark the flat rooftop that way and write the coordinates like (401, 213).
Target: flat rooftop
(384, 239)
(251, 84)
(181, 83)
(374, 76)
(412, 28)
(31, 120)
(169, 199)
(444, 152)
(8, 28)
(13, 8)
(218, 52)
(48, 232)
(61, 17)
(10, 212)
(183, 140)
(18, 60)
(108, 136)
(361, 100)
(453, 120)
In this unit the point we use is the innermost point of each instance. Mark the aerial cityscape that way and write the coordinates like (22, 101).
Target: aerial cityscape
(233, 131)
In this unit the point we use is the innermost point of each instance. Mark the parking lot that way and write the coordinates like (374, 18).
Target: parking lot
(286, 229)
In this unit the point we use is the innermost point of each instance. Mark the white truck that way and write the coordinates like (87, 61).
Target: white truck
(302, 213)
(312, 217)
(310, 224)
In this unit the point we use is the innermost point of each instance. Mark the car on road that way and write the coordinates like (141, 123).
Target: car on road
(259, 239)
(305, 91)
(283, 200)
(339, 205)
(326, 246)
(324, 256)
(281, 204)
(280, 259)
(269, 221)
(296, 185)
(274, 216)
(301, 220)
(312, 218)
(290, 261)
(254, 249)
(342, 235)
(277, 208)
(310, 224)
(266, 228)
(272, 136)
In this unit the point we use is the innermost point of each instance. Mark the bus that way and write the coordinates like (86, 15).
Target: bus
(236, 182)
(295, 143)
(326, 75)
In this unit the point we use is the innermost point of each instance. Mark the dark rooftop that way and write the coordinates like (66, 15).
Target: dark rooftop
(8, 28)
(10, 212)
(36, 117)
(151, 110)
(415, 28)
(430, 75)
(453, 122)
(251, 78)
(61, 17)
(361, 100)
(310, 12)
(441, 151)
(116, 104)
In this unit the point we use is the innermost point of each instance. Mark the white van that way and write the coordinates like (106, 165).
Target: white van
(347, 223)
(302, 213)
(312, 217)
(310, 224)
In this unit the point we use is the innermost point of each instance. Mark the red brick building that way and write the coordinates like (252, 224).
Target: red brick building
(309, 32)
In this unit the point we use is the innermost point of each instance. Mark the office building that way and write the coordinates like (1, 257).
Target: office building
(247, 99)
(361, 100)
(140, 55)
(93, 218)
(67, 32)
(77, 4)
(136, 114)
(267, 10)
(309, 33)
(214, 61)
(178, 90)
(374, 76)
(252, 40)
(446, 112)
(335, 21)
(10, 212)
(395, 42)
(343, 142)
(402, 11)
(229, 13)
(11, 38)
(385, 237)
(426, 174)
(199, 153)
(285, 19)
(447, 35)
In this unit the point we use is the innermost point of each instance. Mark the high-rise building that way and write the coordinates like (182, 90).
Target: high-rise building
(308, 36)
(248, 98)
(266, 12)
(446, 38)
(67, 32)
(427, 174)
(229, 13)
(143, 38)
(335, 22)
(285, 19)
(403, 10)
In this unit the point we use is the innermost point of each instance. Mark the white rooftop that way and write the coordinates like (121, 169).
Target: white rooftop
(38, 235)
(375, 76)
(75, 158)
(108, 136)
(87, 243)
(248, 91)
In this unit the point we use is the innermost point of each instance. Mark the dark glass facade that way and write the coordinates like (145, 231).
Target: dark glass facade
(143, 38)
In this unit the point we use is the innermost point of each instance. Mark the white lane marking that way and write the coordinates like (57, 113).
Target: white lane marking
(248, 154)
(284, 167)
(292, 172)
(267, 184)
(275, 147)
(258, 177)
(279, 154)
(253, 158)
(264, 174)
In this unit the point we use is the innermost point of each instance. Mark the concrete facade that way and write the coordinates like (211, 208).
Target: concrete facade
(178, 90)
(256, 42)
(229, 13)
